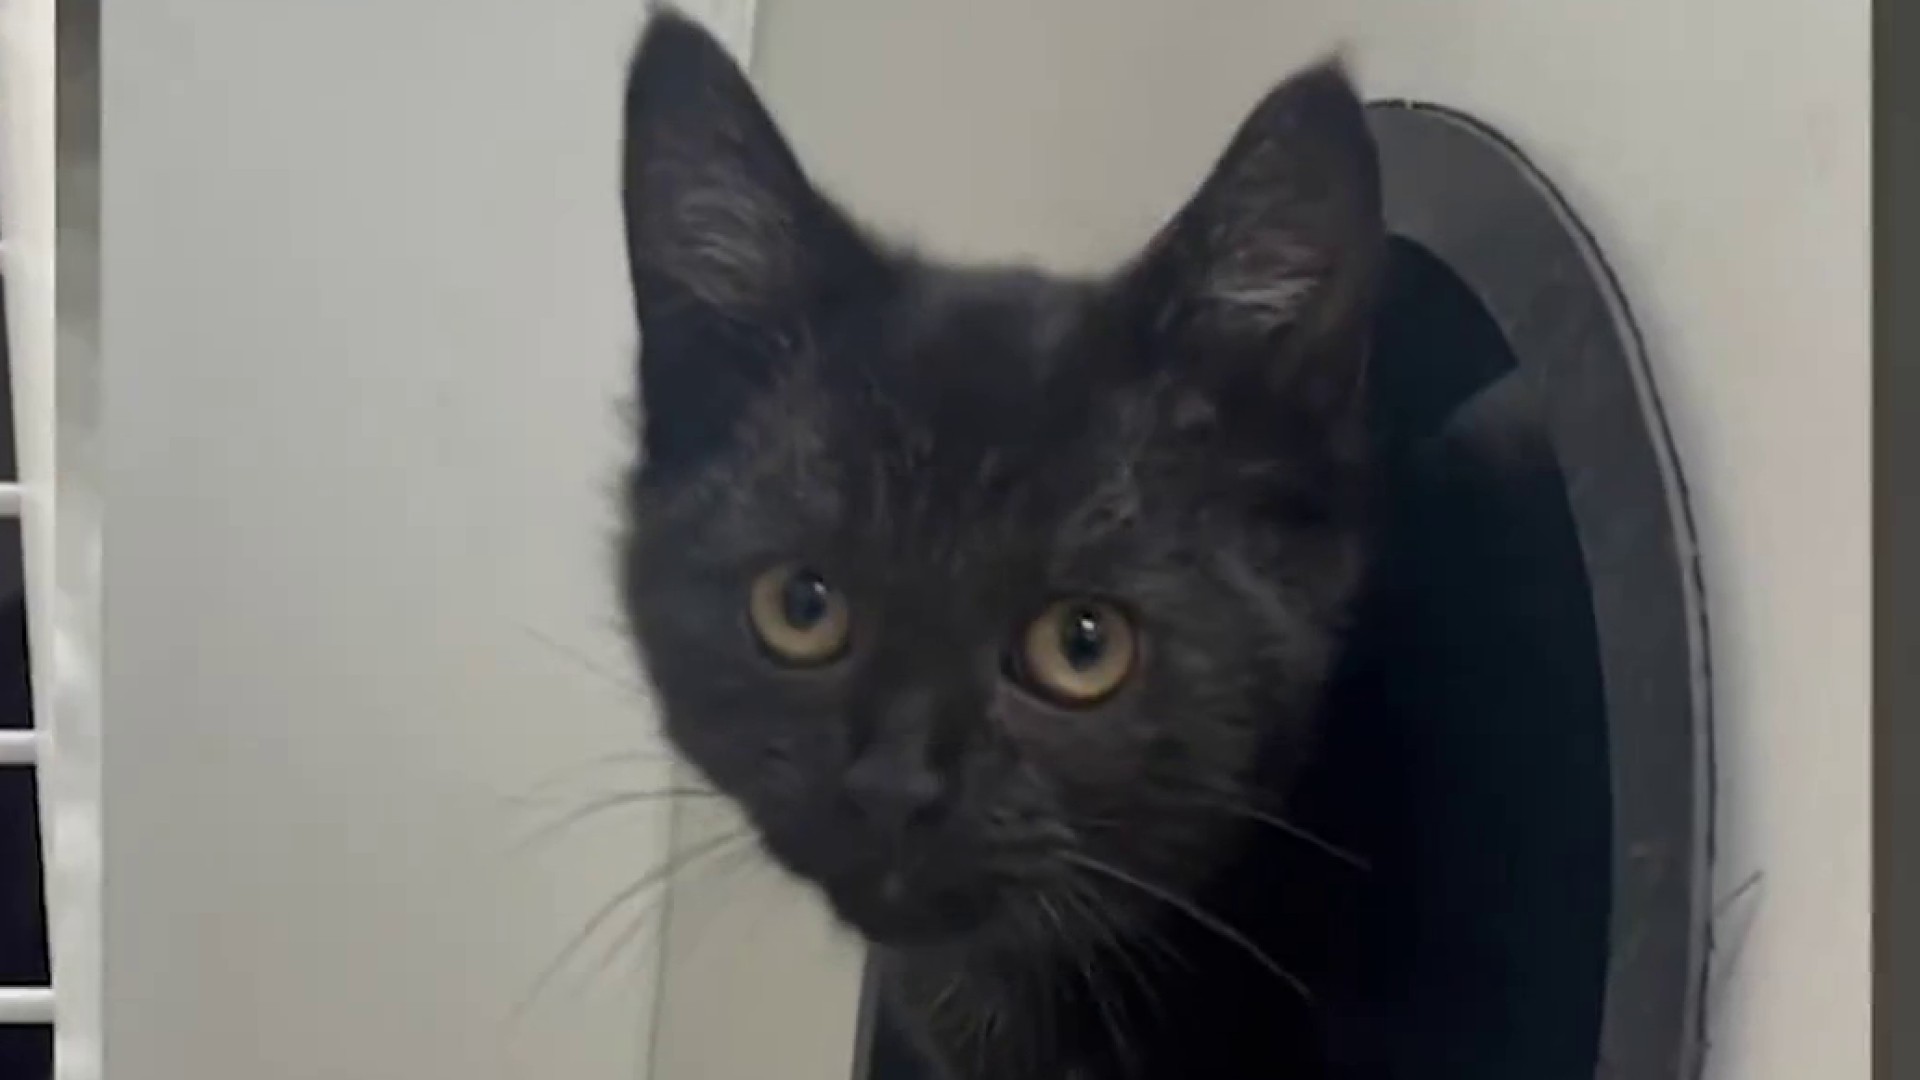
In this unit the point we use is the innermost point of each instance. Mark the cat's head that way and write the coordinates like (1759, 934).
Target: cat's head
(982, 591)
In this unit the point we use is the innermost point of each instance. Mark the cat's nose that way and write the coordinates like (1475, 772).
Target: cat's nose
(898, 776)
(896, 795)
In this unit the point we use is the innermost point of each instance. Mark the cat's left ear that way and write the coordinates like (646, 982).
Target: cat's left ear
(1268, 274)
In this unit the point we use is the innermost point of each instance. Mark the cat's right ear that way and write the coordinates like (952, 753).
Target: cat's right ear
(731, 249)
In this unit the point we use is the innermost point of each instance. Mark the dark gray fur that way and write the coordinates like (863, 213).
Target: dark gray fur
(953, 448)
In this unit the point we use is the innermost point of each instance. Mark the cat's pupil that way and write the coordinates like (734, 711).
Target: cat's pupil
(804, 601)
(1083, 638)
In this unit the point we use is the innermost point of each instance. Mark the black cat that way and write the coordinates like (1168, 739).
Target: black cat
(1008, 607)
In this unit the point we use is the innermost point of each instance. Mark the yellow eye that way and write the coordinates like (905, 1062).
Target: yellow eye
(798, 616)
(1078, 652)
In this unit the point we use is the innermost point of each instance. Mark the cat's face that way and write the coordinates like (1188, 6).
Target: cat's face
(982, 592)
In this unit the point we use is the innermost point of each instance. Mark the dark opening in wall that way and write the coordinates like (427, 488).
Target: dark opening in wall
(1534, 673)
(1487, 683)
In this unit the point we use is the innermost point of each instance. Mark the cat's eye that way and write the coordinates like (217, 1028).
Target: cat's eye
(1078, 652)
(798, 616)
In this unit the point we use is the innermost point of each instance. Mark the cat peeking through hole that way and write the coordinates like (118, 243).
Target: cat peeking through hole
(1005, 605)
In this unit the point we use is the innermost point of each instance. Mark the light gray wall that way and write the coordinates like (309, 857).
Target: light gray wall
(1718, 148)
(366, 329)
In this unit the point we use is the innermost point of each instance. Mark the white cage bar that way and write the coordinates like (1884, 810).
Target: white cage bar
(62, 748)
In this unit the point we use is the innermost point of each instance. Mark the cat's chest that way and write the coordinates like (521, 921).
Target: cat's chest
(1095, 1019)
(1181, 1000)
